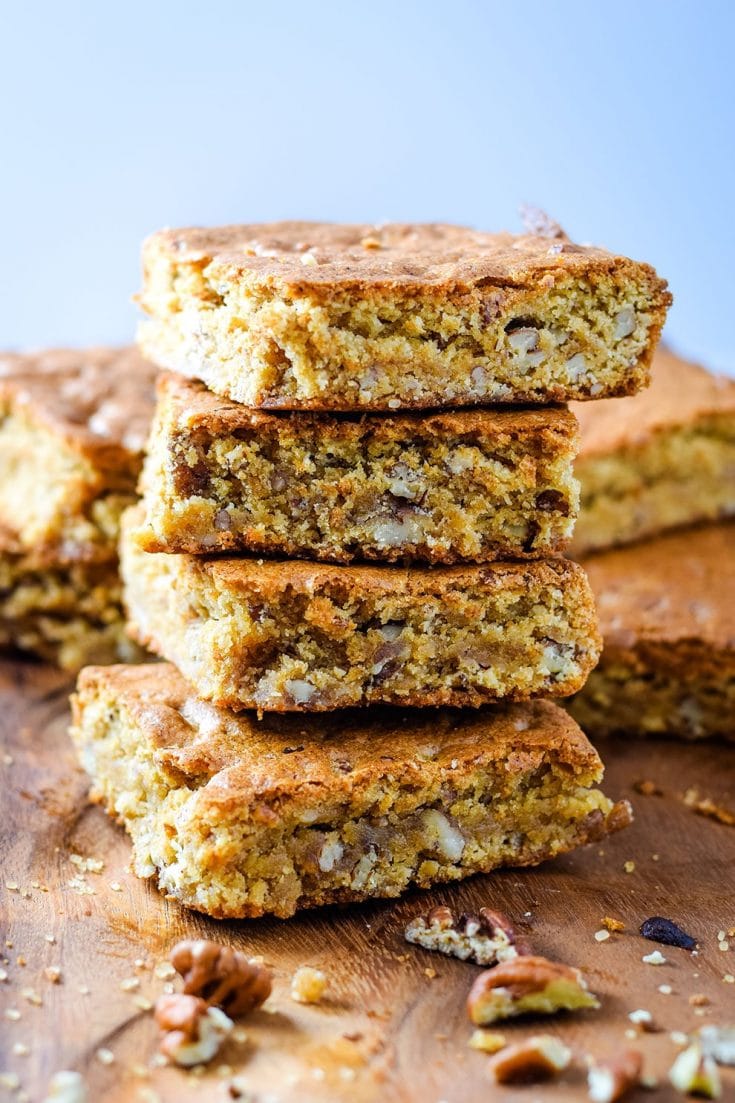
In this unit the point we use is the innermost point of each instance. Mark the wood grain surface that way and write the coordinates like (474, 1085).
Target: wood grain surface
(394, 1025)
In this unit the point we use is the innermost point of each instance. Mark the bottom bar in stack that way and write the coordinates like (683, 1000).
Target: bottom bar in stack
(239, 817)
(667, 615)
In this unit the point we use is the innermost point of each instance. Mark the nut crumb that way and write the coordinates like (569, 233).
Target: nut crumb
(647, 788)
(53, 973)
(698, 1000)
(654, 958)
(602, 936)
(695, 1073)
(488, 1041)
(610, 1079)
(613, 925)
(540, 1057)
(66, 1087)
(705, 806)
(643, 1019)
(308, 985)
(629, 866)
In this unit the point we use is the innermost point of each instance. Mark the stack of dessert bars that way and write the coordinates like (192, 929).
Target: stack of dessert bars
(366, 508)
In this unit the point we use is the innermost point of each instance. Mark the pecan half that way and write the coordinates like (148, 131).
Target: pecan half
(192, 1032)
(527, 985)
(540, 1057)
(611, 1078)
(221, 976)
(485, 938)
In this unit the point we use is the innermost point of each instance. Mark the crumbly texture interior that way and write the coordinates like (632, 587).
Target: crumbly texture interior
(449, 488)
(667, 615)
(237, 838)
(529, 321)
(53, 500)
(69, 614)
(72, 427)
(633, 698)
(676, 477)
(289, 636)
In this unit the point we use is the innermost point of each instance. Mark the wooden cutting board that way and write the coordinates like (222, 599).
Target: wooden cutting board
(394, 1026)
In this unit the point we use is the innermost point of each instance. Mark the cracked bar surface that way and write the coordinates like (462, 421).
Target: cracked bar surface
(658, 460)
(69, 614)
(73, 423)
(667, 615)
(293, 635)
(313, 315)
(472, 485)
(239, 817)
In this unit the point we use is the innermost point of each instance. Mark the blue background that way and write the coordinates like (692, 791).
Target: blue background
(118, 119)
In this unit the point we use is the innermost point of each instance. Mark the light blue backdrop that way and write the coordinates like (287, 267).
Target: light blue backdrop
(118, 119)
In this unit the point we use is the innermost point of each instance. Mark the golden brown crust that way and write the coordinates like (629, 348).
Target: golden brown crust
(269, 578)
(99, 401)
(195, 407)
(244, 760)
(432, 256)
(680, 394)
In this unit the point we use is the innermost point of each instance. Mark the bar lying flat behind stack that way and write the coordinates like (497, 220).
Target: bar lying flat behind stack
(73, 423)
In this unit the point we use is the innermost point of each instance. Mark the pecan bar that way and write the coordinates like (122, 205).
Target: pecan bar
(667, 615)
(294, 635)
(472, 485)
(658, 460)
(236, 816)
(321, 316)
(73, 423)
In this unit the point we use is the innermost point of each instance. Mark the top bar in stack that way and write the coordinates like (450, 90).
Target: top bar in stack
(300, 315)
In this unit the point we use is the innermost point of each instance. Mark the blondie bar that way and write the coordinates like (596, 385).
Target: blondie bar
(68, 613)
(659, 459)
(321, 316)
(239, 817)
(469, 485)
(667, 615)
(292, 635)
(73, 423)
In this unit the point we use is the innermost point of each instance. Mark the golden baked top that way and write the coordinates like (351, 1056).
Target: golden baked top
(328, 757)
(680, 394)
(677, 588)
(322, 254)
(99, 400)
(194, 406)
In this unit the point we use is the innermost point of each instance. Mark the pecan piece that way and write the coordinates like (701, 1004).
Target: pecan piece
(540, 1057)
(695, 1073)
(192, 1031)
(527, 985)
(223, 977)
(611, 1078)
(485, 938)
